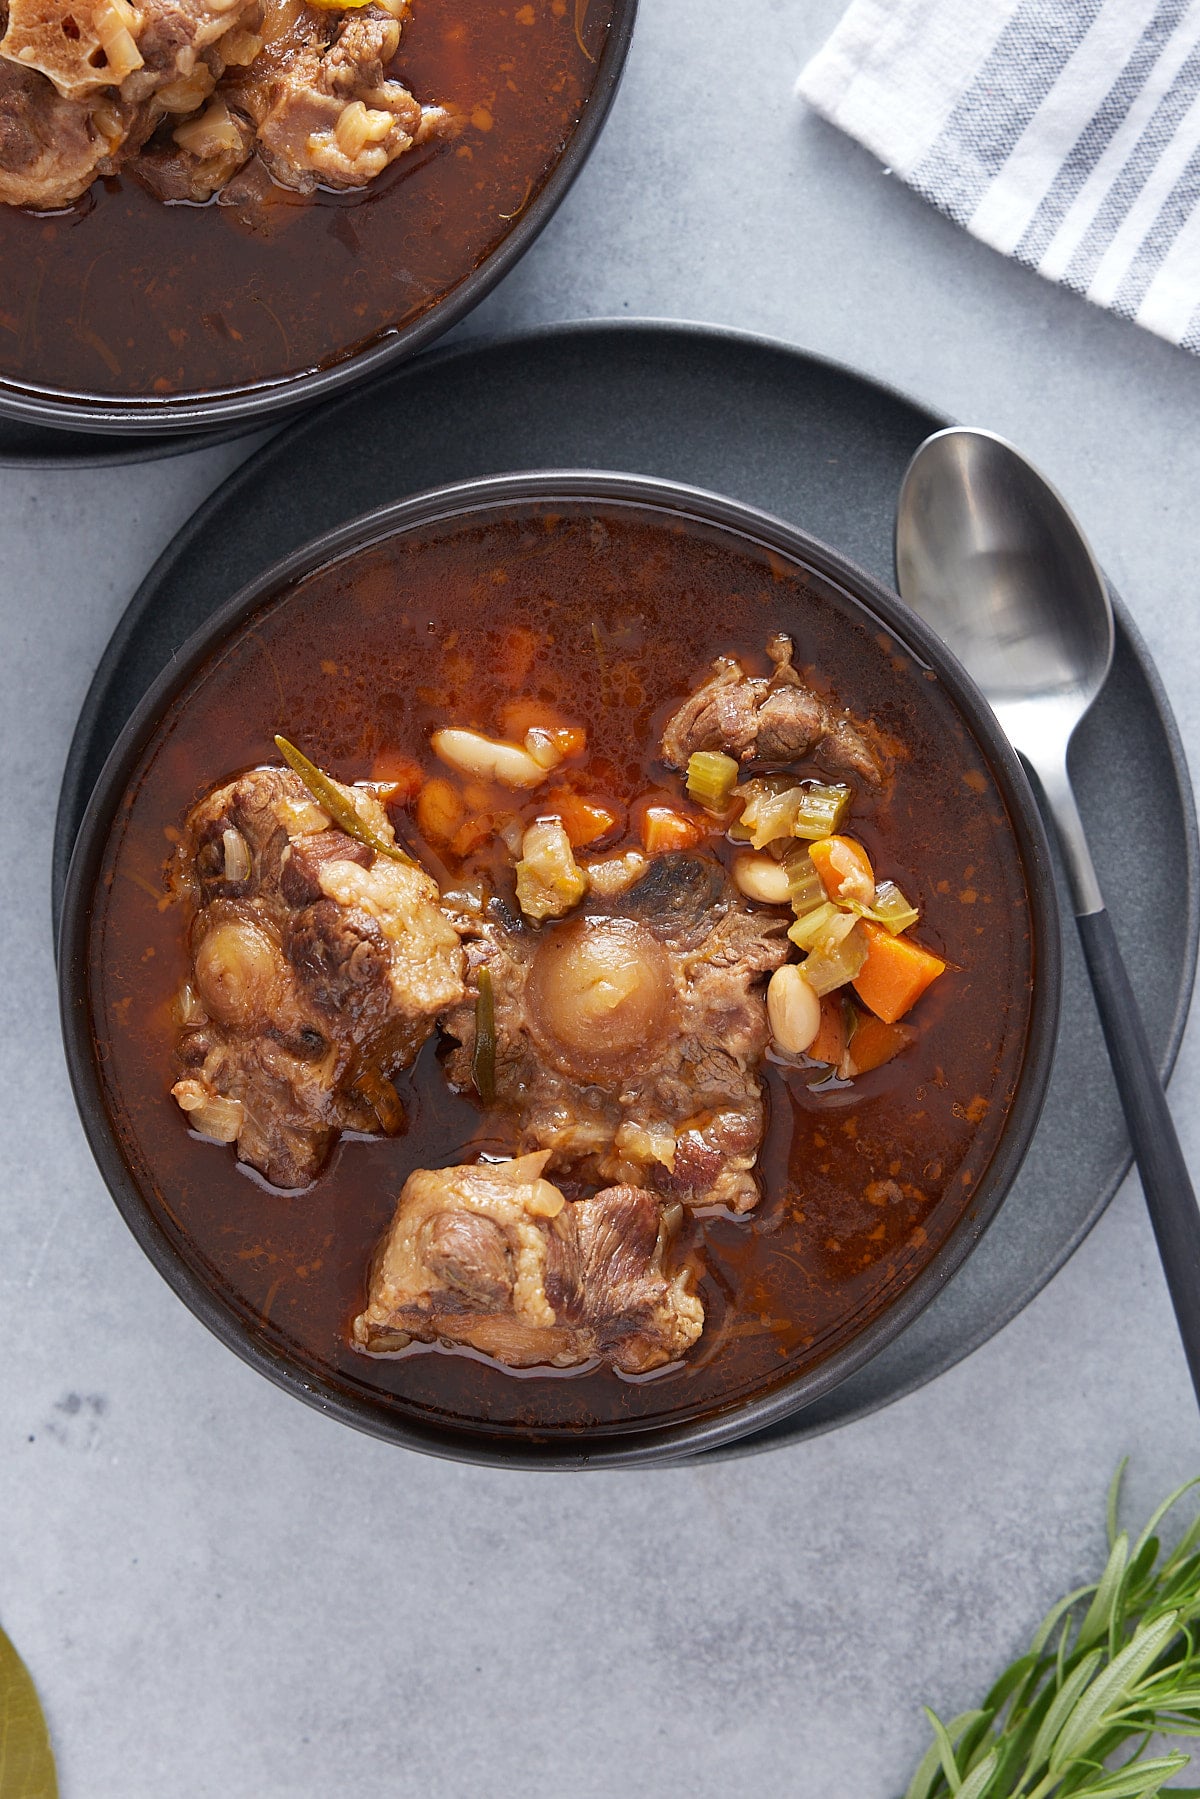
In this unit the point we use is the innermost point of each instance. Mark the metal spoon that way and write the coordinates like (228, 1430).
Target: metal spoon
(991, 557)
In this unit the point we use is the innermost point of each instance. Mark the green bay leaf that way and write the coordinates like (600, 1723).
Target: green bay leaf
(26, 1758)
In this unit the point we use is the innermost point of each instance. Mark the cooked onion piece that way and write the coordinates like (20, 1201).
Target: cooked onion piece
(208, 1112)
(601, 994)
(549, 880)
(614, 875)
(776, 806)
(238, 967)
(213, 133)
(237, 855)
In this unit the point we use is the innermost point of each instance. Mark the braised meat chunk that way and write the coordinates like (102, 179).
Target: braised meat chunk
(109, 44)
(82, 87)
(51, 148)
(768, 718)
(627, 1037)
(493, 1256)
(325, 111)
(318, 967)
(199, 157)
(186, 91)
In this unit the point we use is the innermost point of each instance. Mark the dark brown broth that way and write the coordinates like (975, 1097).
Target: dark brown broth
(368, 657)
(121, 294)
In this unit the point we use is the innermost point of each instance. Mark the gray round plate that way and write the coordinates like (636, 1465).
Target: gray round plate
(825, 448)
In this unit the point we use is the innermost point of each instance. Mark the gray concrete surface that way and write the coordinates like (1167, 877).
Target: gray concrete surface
(224, 1596)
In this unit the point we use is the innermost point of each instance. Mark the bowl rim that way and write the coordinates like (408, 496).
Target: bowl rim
(559, 1450)
(250, 406)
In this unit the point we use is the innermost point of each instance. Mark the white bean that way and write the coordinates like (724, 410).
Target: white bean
(760, 877)
(542, 748)
(471, 753)
(793, 1009)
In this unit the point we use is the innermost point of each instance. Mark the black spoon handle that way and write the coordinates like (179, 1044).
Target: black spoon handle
(1165, 1181)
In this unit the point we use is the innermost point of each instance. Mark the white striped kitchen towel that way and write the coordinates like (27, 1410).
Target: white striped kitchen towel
(1065, 133)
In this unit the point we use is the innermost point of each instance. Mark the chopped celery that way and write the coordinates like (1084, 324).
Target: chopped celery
(711, 776)
(824, 927)
(833, 964)
(778, 807)
(805, 886)
(805, 932)
(891, 909)
(821, 810)
(838, 928)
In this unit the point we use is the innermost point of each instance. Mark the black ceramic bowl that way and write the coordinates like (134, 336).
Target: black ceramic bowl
(232, 411)
(355, 1402)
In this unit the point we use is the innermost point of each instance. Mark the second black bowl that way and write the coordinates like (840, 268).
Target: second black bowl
(148, 320)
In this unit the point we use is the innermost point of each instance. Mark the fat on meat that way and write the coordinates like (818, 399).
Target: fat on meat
(494, 1257)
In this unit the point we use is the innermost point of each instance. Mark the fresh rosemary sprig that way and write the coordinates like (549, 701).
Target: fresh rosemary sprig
(1111, 1666)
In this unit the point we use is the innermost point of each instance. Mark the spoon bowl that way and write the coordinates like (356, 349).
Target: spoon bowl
(1005, 576)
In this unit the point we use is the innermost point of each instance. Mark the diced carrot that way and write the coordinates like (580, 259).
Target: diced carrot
(873, 1044)
(584, 819)
(844, 867)
(895, 973)
(439, 810)
(473, 831)
(479, 795)
(829, 1044)
(516, 654)
(399, 775)
(663, 828)
(518, 717)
